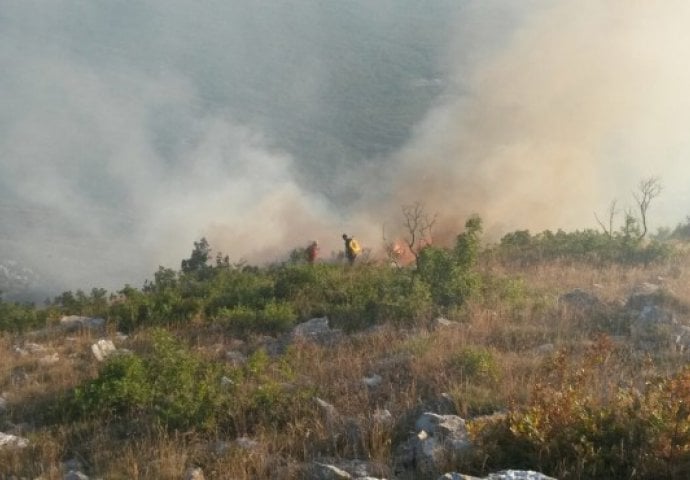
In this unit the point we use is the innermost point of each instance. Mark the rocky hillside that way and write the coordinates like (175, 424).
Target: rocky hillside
(559, 367)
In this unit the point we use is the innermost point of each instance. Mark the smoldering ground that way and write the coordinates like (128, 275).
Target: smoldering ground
(129, 131)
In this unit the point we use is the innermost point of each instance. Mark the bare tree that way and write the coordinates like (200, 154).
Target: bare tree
(611, 214)
(648, 190)
(418, 224)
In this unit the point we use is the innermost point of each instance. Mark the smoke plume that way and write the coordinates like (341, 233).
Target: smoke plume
(130, 130)
(553, 110)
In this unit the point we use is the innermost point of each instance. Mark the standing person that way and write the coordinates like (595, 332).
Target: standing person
(312, 251)
(352, 248)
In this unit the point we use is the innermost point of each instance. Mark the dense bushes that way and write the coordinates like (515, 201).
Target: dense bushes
(15, 317)
(585, 245)
(272, 299)
(577, 425)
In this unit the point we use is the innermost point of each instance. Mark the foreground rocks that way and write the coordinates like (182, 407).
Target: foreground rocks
(12, 441)
(657, 318)
(102, 349)
(438, 440)
(502, 475)
(73, 323)
(317, 330)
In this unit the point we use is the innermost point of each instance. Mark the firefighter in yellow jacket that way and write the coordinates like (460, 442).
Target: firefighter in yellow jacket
(352, 248)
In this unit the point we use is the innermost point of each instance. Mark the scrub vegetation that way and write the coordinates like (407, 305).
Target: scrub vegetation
(209, 360)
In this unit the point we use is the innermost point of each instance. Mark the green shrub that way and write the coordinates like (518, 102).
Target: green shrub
(375, 294)
(169, 386)
(121, 389)
(275, 317)
(18, 318)
(585, 245)
(132, 310)
(237, 319)
(232, 288)
(475, 364)
(450, 283)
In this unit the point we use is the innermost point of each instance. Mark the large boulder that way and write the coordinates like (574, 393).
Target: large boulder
(102, 349)
(316, 330)
(72, 323)
(324, 471)
(12, 441)
(194, 473)
(75, 475)
(518, 475)
(346, 469)
(655, 315)
(439, 440)
(502, 475)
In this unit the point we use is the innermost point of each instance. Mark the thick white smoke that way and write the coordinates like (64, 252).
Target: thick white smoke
(555, 109)
(128, 131)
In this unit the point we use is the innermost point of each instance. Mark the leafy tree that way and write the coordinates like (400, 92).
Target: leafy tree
(468, 243)
(197, 263)
(450, 273)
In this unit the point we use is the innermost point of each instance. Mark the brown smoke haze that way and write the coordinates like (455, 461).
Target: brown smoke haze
(577, 102)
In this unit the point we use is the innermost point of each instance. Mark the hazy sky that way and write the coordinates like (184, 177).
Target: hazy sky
(130, 129)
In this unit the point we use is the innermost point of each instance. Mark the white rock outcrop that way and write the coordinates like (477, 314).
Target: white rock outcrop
(12, 441)
(316, 330)
(71, 323)
(102, 349)
(439, 439)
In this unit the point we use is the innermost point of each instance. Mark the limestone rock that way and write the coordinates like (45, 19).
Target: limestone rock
(312, 327)
(34, 348)
(29, 348)
(71, 323)
(518, 475)
(323, 471)
(194, 473)
(441, 322)
(326, 408)
(317, 330)
(502, 475)
(235, 358)
(449, 427)
(457, 476)
(372, 381)
(439, 440)
(102, 349)
(247, 443)
(75, 475)
(12, 441)
(356, 469)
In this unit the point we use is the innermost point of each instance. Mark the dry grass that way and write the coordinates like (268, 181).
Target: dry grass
(414, 366)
